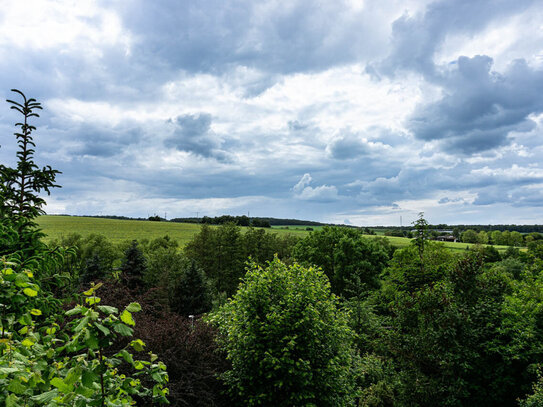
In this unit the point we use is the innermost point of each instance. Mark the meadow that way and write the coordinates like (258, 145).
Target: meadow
(117, 230)
(121, 230)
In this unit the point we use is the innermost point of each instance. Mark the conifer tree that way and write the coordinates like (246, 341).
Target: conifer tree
(133, 266)
(93, 270)
(191, 294)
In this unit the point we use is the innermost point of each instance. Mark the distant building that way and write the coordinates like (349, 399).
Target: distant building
(446, 238)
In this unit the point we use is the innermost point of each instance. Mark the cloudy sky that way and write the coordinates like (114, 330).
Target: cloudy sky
(354, 111)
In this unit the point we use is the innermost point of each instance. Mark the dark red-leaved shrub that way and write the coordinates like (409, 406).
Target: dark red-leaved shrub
(186, 346)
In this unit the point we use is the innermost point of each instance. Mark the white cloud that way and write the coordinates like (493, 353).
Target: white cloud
(322, 193)
(43, 24)
(302, 184)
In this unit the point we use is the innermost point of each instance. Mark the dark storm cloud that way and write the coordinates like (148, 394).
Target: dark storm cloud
(480, 107)
(193, 134)
(512, 185)
(276, 37)
(89, 139)
(515, 195)
(416, 38)
(347, 146)
(108, 94)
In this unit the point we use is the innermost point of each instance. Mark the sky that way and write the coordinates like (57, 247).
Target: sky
(363, 112)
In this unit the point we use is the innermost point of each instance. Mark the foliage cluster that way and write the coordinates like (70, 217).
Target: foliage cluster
(222, 252)
(47, 356)
(352, 262)
(288, 342)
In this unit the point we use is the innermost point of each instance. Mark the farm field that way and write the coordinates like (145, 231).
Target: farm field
(115, 230)
(121, 230)
(118, 230)
(455, 246)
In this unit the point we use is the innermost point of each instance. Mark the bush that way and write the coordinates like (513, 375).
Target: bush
(288, 342)
(188, 347)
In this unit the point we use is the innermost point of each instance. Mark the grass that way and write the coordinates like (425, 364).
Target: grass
(116, 230)
(121, 230)
(454, 246)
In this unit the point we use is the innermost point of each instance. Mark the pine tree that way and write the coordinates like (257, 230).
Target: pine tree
(133, 266)
(191, 294)
(93, 270)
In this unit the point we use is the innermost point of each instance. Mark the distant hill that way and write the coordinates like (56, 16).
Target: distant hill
(263, 221)
(246, 221)
(217, 220)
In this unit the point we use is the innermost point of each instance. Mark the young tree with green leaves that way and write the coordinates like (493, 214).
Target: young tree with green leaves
(20, 202)
(421, 237)
(351, 261)
(287, 339)
(44, 359)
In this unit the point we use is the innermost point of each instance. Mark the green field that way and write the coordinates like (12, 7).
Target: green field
(116, 230)
(122, 230)
(455, 246)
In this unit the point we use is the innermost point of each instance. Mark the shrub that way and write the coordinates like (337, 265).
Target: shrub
(288, 342)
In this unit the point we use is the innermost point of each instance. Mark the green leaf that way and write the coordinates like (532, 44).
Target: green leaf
(59, 384)
(27, 342)
(73, 375)
(92, 342)
(126, 356)
(76, 310)
(82, 324)
(25, 319)
(15, 386)
(88, 378)
(85, 391)
(92, 300)
(107, 309)
(91, 290)
(35, 311)
(133, 307)
(30, 292)
(102, 328)
(122, 329)
(138, 345)
(46, 397)
(126, 317)
(8, 370)
(12, 401)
